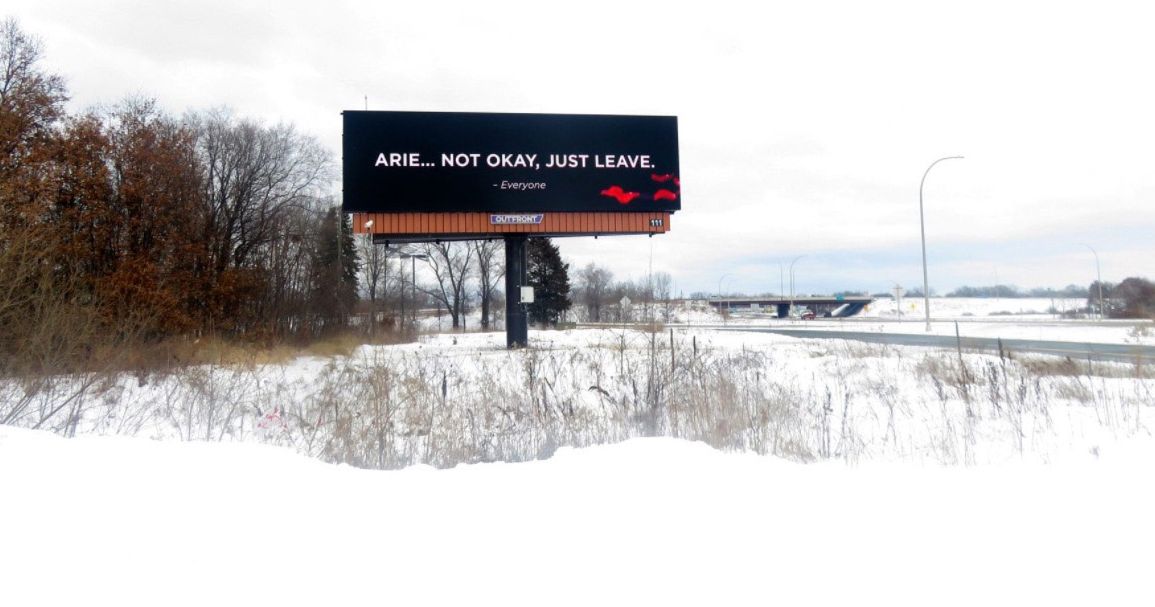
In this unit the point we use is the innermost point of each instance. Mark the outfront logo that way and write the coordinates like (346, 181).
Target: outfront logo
(516, 219)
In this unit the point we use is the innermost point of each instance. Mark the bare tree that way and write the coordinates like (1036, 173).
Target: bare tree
(290, 270)
(47, 322)
(662, 286)
(334, 272)
(594, 284)
(253, 175)
(450, 263)
(31, 107)
(490, 270)
(31, 101)
(375, 277)
(372, 270)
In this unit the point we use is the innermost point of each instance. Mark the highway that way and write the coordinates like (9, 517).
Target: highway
(1129, 353)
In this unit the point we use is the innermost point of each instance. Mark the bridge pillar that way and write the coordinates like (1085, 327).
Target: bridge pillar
(783, 310)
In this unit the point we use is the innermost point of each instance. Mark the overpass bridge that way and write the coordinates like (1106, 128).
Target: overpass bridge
(833, 306)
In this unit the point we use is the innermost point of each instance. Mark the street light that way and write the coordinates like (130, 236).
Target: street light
(412, 282)
(724, 277)
(791, 309)
(372, 254)
(922, 229)
(1098, 279)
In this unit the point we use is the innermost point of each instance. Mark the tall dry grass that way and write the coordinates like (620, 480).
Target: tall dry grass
(434, 403)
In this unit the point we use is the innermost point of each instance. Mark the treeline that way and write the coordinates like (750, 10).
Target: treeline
(1132, 298)
(1011, 291)
(460, 278)
(127, 222)
(600, 296)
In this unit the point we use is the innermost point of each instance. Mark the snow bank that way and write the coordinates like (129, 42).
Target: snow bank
(953, 308)
(122, 521)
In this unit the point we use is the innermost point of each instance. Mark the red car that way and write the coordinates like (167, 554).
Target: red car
(807, 315)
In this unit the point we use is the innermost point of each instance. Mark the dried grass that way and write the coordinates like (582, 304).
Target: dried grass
(384, 407)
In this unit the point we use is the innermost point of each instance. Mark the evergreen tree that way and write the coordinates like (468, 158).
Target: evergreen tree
(1099, 299)
(1132, 298)
(549, 276)
(350, 261)
(334, 272)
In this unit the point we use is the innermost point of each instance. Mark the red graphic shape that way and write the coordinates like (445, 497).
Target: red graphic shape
(617, 193)
(665, 195)
(661, 178)
(677, 182)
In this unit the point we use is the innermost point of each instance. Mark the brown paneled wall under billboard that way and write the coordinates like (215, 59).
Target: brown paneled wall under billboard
(430, 226)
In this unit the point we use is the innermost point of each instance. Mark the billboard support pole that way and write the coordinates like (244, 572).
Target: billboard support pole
(516, 325)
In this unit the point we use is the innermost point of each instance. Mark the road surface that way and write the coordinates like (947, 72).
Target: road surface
(1129, 353)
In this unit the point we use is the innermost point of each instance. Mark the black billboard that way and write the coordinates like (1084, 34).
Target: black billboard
(407, 162)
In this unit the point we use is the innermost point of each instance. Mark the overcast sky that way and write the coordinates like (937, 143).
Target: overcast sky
(805, 127)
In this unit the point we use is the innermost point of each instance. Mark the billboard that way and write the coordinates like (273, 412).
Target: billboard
(451, 162)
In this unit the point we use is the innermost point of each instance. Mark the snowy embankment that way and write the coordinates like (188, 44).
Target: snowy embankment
(124, 521)
(205, 485)
(453, 399)
(932, 479)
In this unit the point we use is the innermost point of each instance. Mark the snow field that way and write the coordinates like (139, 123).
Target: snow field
(110, 520)
(1013, 318)
(930, 480)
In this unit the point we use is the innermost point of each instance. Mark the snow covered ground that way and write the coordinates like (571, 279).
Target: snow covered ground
(913, 309)
(806, 472)
(1008, 318)
(455, 398)
(955, 308)
(124, 521)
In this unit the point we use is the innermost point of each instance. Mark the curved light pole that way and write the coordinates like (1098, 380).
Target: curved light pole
(922, 229)
(724, 277)
(1098, 279)
(792, 262)
(413, 284)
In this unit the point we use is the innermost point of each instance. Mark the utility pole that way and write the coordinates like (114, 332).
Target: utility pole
(790, 312)
(1098, 279)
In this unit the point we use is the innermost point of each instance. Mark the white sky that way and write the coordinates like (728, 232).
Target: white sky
(805, 127)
